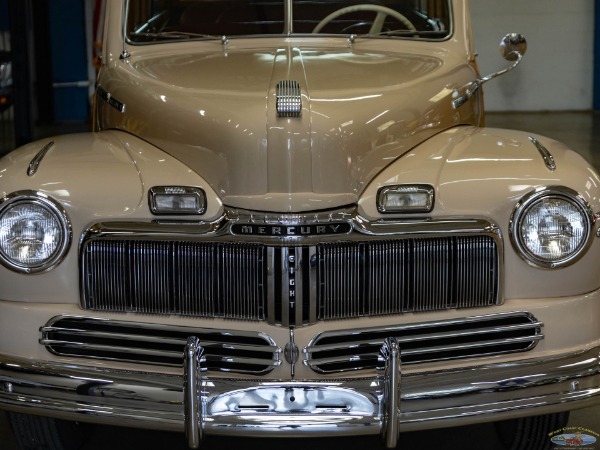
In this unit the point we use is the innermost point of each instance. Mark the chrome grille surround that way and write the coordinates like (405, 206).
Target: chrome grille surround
(226, 350)
(370, 269)
(494, 334)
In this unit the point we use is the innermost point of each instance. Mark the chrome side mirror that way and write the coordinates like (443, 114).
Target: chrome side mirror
(512, 48)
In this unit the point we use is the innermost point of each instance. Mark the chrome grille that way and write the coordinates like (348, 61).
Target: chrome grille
(225, 350)
(290, 285)
(340, 351)
(408, 275)
(184, 278)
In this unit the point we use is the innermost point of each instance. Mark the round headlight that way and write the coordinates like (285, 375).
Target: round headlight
(551, 227)
(34, 232)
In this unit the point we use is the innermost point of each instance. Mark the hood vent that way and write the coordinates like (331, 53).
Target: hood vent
(289, 99)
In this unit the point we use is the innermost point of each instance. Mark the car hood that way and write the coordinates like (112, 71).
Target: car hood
(216, 112)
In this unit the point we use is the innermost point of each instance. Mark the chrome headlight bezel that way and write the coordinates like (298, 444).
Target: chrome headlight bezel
(57, 212)
(531, 200)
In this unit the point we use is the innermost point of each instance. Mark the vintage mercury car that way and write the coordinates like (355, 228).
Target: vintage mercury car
(290, 220)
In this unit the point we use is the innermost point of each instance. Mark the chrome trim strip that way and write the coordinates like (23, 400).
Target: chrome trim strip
(390, 431)
(101, 347)
(298, 286)
(218, 230)
(269, 363)
(312, 282)
(546, 155)
(443, 335)
(285, 286)
(141, 326)
(412, 326)
(34, 165)
(108, 98)
(271, 284)
(460, 396)
(155, 229)
(193, 412)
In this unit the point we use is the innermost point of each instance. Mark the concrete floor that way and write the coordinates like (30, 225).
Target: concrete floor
(581, 131)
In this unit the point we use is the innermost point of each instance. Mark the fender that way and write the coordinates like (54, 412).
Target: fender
(92, 175)
(484, 172)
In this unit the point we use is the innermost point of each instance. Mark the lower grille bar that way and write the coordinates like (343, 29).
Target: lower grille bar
(225, 350)
(495, 334)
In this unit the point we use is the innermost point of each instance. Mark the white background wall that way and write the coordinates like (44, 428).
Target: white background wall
(557, 71)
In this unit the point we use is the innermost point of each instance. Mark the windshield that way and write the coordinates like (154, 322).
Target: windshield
(160, 20)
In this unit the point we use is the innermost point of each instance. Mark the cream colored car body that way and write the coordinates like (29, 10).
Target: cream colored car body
(375, 113)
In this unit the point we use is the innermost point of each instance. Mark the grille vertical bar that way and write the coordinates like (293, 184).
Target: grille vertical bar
(110, 262)
(387, 287)
(475, 272)
(149, 269)
(196, 284)
(341, 281)
(432, 261)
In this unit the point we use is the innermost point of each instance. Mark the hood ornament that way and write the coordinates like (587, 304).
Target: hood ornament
(289, 99)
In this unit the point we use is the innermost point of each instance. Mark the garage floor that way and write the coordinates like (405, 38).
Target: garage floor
(581, 131)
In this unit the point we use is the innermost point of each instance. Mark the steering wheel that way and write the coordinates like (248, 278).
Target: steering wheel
(377, 26)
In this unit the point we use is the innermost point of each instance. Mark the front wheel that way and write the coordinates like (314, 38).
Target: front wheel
(530, 433)
(44, 433)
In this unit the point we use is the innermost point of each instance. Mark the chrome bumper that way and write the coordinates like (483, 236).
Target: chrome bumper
(383, 404)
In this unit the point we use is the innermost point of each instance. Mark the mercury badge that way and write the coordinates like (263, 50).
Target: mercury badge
(320, 229)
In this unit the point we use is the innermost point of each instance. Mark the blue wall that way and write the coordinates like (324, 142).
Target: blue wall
(3, 15)
(69, 59)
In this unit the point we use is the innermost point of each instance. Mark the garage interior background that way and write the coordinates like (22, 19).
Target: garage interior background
(53, 52)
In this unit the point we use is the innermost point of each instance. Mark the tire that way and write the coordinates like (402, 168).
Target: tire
(530, 433)
(44, 433)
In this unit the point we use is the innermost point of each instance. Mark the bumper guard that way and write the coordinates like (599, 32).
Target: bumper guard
(199, 404)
